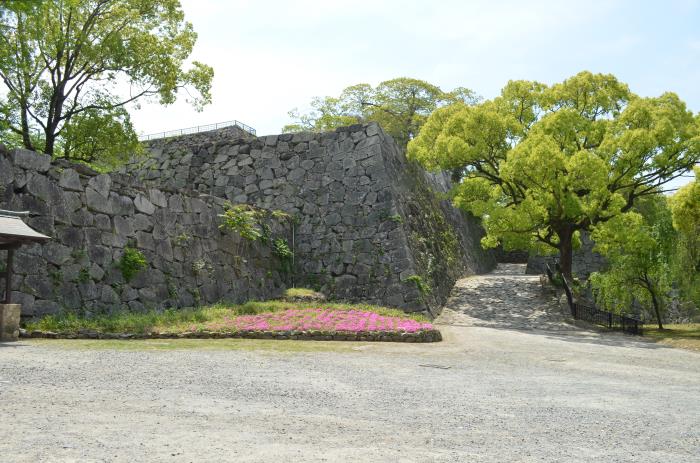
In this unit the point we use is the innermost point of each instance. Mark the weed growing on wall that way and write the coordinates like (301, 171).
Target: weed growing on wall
(253, 224)
(131, 263)
(284, 253)
(423, 287)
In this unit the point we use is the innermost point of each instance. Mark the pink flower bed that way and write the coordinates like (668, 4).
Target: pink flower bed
(317, 320)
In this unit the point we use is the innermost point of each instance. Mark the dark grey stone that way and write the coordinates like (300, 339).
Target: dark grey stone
(101, 184)
(70, 180)
(97, 202)
(31, 161)
(143, 205)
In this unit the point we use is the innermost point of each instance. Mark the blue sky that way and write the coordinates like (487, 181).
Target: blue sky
(272, 56)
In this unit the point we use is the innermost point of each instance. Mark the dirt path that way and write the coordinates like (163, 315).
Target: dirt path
(505, 298)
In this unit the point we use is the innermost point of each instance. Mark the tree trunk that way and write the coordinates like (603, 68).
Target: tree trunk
(50, 142)
(566, 251)
(26, 135)
(657, 309)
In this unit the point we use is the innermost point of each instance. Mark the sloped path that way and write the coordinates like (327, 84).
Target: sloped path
(505, 298)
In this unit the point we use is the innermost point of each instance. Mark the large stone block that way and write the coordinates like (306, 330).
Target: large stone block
(31, 161)
(9, 322)
(70, 180)
(143, 205)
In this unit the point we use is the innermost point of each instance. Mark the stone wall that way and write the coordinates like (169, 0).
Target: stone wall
(369, 226)
(93, 217)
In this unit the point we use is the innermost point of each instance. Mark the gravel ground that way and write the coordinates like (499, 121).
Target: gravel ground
(501, 395)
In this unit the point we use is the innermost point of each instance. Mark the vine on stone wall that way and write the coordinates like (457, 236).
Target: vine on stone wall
(253, 224)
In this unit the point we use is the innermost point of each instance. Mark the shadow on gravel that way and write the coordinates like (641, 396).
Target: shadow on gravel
(608, 339)
(509, 302)
(12, 344)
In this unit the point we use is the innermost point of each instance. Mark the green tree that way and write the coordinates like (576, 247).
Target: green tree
(639, 248)
(72, 66)
(685, 207)
(539, 164)
(401, 106)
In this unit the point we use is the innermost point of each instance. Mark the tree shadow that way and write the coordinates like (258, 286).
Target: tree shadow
(509, 301)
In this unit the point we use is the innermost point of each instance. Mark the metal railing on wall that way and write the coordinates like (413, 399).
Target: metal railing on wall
(592, 314)
(198, 129)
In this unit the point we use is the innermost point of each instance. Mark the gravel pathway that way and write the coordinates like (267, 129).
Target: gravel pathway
(485, 394)
(505, 298)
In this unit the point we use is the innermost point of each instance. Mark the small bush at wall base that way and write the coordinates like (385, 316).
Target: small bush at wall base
(131, 263)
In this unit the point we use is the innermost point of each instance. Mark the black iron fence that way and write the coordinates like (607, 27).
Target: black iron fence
(592, 314)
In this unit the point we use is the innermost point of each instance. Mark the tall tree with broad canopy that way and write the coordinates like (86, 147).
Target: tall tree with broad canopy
(401, 106)
(539, 164)
(71, 67)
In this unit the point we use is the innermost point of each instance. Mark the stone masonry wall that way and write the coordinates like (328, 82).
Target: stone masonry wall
(369, 226)
(93, 217)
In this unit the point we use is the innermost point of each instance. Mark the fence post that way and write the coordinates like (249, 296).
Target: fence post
(610, 323)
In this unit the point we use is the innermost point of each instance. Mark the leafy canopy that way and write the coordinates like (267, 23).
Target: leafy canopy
(70, 68)
(401, 106)
(541, 163)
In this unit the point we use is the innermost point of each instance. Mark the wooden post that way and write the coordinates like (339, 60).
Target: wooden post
(8, 276)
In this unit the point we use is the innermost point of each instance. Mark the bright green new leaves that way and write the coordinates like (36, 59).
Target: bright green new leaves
(101, 138)
(685, 207)
(401, 106)
(70, 67)
(540, 164)
(640, 249)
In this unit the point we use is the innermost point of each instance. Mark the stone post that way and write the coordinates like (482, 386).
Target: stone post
(9, 322)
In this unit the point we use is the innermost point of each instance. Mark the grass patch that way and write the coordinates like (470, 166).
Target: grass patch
(686, 336)
(181, 320)
(256, 345)
(302, 293)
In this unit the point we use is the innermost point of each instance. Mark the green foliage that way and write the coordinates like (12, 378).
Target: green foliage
(652, 255)
(685, 207)
(131, 263)
(251, 223)
(539, 164)
(200, 267)
(56, 277)
(284, 253)
(638, 263)
(83, 275)
(423, 288)
(182, 239)
(401, 106)
(243, 219)
(66, 64)
(104, 139)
